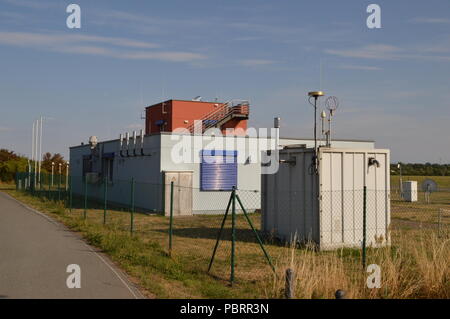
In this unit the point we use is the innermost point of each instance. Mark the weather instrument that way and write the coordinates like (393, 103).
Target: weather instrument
(331, 104)
(315, 95)
(429, 186)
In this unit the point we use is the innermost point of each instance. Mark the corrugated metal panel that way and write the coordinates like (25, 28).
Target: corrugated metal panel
(218, 170)
(289, 198)
(328, 208)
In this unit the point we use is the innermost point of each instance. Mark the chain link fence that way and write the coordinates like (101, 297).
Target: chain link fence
(221, 233)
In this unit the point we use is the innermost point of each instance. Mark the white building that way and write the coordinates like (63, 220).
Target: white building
(203, 178)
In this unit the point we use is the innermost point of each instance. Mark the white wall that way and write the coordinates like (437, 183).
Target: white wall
(147, 170)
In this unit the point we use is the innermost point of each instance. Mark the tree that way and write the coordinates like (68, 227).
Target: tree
(10, 164)
(56, 158)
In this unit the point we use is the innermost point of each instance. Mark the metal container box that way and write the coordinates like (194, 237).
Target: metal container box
(325, 205)
(410, 191)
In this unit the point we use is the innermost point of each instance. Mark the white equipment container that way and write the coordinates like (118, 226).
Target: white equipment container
(410, 191)
(327, 207)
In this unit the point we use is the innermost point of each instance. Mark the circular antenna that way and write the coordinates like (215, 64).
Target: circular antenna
(316, 94)
(429, 186)
(332, 103)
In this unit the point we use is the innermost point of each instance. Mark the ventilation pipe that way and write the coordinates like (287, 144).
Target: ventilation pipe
(121, 144)
(142, 142)
(276, 125)
(134, 143)
(127, 142)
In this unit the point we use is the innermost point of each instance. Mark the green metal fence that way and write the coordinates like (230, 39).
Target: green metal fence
(223, 236)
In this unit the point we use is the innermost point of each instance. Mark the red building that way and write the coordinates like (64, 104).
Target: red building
(172, 114)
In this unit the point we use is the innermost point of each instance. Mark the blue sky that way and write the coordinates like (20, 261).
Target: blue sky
(392, 83)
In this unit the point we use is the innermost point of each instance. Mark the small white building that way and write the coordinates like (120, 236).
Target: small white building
(323, 202)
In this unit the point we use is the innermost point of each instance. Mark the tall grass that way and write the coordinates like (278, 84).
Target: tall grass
(416, 268)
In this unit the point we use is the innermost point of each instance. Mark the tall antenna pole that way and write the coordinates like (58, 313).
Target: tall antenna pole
(40, 151)
(36, 139)
(315, 95)
(32, 145)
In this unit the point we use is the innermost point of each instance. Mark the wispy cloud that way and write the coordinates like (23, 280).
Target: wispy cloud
(358, 67)
(373, 51)
(388, 52)
(95, 45)
(29, 4)
(431, 20)
(256, 62)
(4, 129)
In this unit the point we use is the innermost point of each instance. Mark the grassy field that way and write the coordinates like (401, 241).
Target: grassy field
(442, 181)
(415, 266)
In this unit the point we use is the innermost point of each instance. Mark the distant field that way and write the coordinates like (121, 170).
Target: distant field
(442, 181)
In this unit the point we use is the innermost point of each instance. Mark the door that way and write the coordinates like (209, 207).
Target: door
(182, 192)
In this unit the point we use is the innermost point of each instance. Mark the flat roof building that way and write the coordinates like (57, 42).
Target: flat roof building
(206, 148)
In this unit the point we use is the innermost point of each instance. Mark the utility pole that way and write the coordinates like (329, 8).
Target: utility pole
(40, 151)
(32, 156)
(36, 139)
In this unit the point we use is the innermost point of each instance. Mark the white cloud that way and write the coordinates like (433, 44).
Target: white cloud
(80, 44)
(389, 52)
(373, 51)
(358, 67)
(29, 4)
(256, 62)
(432, 20)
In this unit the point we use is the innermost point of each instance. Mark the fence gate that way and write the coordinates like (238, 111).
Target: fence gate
(182, 197)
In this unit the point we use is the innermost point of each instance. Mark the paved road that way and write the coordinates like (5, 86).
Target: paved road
(35, 252)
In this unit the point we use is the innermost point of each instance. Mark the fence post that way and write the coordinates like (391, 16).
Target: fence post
(132, 205)
(339, 294)
(440, 222)
(49, 192)
(105, 199)
(70, 193)
(59, 187)
(85, 196)
(171, 219)
(289, 287)
(364, 227)
(233, 233)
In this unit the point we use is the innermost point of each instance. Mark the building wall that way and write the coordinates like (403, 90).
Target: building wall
(337, 143)
(181, 114)
(158, 148)
(144, 169)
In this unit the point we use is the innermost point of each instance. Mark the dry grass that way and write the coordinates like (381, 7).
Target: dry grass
(415, 266)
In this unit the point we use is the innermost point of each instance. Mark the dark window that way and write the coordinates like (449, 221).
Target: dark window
(87, 164)
(108, 166)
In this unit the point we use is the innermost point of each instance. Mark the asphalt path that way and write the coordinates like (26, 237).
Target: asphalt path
(35, 252)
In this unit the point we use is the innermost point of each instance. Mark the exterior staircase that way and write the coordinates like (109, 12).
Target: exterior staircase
(223, 114)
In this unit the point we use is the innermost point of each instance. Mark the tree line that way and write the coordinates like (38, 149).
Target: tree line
(427, 169)
(12, 163)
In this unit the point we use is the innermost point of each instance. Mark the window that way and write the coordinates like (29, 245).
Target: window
(87, 164)
(108, 166)
(218, 170)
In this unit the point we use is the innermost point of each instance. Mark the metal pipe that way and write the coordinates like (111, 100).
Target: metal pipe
(121, 144)
(127, 140)
(134, 143)
(142, 142)
(40, 151)
(36, 137)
